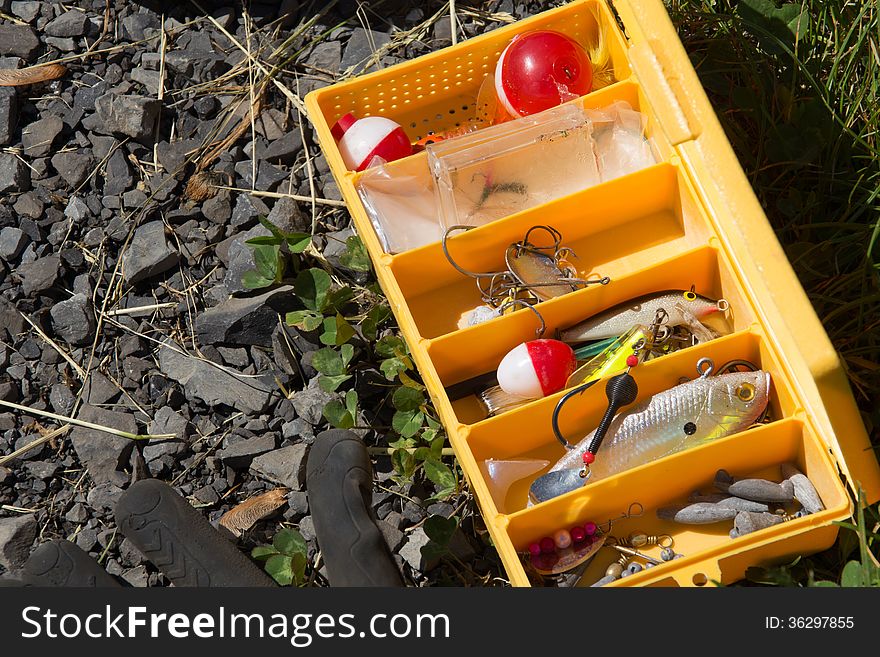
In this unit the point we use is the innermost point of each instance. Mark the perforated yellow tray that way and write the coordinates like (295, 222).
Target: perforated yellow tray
(691, 219)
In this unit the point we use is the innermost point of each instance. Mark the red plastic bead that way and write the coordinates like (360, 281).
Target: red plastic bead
(534, 549)
(577, 534)
(548, 545)
(590, 528)
(588, 457)
(632, 361)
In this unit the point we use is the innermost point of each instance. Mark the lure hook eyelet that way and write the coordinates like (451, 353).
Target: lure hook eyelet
(705, 367)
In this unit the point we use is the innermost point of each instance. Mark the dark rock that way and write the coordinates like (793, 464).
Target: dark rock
(137, 577)
(42, 469)
(309, 403)
(240, 454)
(72, 23)
(241, 259)
(360, 48)
(77, 514)
(442, 34)
(37, 138)
(39, 275)
(149, 79)
(412, 551)
(245, 321)
(15, 176)
(17, 534)
(98, 389)
(235, 357)
(272, 124)
(246, 210)
(9, 391)
(169, 421)
(77, 210)
(104, 454)
(25, 10)
(393, 536)
(148, 254)
(268, 176)
(28, 205)
(61, 43)
(19, 40)
(117, 174)
(8, 114)
(286, 212)
(299, 430)
(206, 495)
(12, 243)
(285, 148)
(133, 116)
(326, 57)
(297, 505)
(134, 198)
(73, 167)
(10, 319)
(62, 399)
(217, 209)
(196, 66)
(285, 466)
(157, 449)
(104, 496)
(212, 384)
(283, 354)
(394, 519)
(87, 539)
(73, 320)
(413, 512)
(307, 528)
(135, 26)
(206, 107)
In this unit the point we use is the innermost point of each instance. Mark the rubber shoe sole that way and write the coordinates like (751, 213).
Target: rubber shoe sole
(340, 483)
(180, 541)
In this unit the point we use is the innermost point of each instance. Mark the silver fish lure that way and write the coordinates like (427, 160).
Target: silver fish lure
(681, 307)
(674, 420)
(682, 417)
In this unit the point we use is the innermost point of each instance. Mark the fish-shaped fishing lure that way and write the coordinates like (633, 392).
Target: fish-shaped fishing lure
(680, 305)
(674, 420)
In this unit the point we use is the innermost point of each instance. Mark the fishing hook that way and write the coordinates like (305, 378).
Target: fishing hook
(454, 264)
(525, 304)
(555, 420)
(629, 513)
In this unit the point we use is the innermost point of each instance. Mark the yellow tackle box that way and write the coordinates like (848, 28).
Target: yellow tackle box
(692, 219)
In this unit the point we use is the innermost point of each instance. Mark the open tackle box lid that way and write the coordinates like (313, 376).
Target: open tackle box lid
(685, 115)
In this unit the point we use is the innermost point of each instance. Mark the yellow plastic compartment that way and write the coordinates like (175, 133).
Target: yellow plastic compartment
(692, 219)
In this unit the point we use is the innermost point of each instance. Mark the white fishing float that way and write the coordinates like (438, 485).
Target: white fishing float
(360, 140)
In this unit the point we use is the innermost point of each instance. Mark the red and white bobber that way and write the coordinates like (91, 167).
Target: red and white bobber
(536, 368)
(539, 70)
(360, 140)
